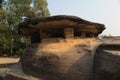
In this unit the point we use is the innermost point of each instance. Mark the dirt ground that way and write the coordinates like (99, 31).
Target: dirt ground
(7, 60)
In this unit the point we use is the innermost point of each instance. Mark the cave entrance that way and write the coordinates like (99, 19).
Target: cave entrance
(89, 34)
(35, 37)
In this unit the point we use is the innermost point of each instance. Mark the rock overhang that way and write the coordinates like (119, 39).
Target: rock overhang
(57, 23)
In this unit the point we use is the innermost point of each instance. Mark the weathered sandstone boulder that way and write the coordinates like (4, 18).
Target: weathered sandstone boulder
(68, 60)
(55, 60)
(66, 48)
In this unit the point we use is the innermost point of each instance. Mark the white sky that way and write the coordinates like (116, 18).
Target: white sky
(101, 11)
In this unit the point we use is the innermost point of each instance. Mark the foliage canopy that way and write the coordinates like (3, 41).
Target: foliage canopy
(12, 12)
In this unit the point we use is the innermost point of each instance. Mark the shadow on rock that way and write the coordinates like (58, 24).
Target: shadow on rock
(107, 62)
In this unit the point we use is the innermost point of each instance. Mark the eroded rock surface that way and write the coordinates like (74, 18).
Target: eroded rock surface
(61, 60)
(107, 62)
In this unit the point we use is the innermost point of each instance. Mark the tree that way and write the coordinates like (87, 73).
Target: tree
(1, 3)
(40, 7)
(2, 12)
(3, 27)
(13, 12)
(16, 10)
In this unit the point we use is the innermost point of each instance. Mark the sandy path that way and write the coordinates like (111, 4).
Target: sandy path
(8, 60)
